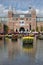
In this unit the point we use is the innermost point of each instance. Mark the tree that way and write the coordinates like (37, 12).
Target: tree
(37, 29)
(32, 30)
(0, 26)
(5, 29)
(41, 28)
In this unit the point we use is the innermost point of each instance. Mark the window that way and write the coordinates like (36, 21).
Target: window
(39, 19)
(21, 22)
(16, 18)
(13, 18)
(16, 30)
(29, 19)
(27, 30)
(21, 18)
(5, 19)
(30, 26)
(26, 18)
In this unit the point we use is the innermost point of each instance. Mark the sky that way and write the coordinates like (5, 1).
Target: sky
(21, 5)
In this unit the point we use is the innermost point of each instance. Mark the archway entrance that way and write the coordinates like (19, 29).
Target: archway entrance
(21, 29)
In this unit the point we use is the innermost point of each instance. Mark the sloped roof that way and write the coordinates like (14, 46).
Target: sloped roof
(25, 15)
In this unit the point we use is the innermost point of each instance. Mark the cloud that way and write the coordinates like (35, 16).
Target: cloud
(4, 11)
(37, 11)
(21, 11)
(1, 8)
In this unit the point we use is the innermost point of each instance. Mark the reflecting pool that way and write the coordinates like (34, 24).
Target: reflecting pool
(13, 53)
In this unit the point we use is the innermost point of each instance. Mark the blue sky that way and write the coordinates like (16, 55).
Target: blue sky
(22, 4)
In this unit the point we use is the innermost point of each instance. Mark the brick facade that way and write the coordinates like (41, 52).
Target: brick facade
(16, 22)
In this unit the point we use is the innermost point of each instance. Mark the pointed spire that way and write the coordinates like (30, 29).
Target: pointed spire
(30, 6)
(14, 10)
(30, 9)
(10, 8)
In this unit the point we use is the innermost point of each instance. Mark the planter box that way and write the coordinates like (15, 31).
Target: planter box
(40, 37)
(14, 37)
(28, 41)
(31, 35)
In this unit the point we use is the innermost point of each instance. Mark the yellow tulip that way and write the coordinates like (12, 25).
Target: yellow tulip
(28, 37)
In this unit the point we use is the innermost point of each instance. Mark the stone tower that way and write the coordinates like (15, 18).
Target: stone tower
(10, 12)
(33, 19)
(10, 16)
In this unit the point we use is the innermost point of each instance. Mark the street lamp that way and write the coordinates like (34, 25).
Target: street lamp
(13, 26)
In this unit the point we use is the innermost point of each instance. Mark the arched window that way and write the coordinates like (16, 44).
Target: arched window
(16, 30)
(27, 30)
(22, 29)
(30, 26)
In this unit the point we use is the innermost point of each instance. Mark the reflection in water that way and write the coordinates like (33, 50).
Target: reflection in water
(1, 45)
(15, 51)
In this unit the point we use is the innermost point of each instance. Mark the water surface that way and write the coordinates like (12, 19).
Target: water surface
(13, 53)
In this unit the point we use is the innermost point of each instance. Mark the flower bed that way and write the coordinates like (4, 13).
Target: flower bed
(28, 41)
(40, 37)
(14, 37)
(31, 35)
(20, 36)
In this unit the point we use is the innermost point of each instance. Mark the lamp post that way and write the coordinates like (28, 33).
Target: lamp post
(13, 26)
